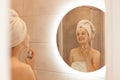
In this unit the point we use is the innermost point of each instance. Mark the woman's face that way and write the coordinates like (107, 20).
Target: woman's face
(82, 36)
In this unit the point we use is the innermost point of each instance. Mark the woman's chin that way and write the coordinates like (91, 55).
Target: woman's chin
(82, 42)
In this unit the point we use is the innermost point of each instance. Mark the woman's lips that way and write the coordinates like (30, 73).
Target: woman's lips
(80, 39)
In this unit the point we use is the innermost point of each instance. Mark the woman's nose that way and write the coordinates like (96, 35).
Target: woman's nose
(80, 35)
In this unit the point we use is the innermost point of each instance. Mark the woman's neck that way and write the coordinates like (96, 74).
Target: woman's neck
(84, 44)
(15, 51)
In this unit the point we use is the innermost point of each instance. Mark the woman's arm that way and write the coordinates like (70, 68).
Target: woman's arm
(96, 60)
(89, 63)
(70, 58)
(30, 60)
(93, 62)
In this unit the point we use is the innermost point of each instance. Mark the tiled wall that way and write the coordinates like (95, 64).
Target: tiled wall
(38, 15)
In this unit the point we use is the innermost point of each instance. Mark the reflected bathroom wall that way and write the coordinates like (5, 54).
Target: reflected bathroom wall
(66, 36)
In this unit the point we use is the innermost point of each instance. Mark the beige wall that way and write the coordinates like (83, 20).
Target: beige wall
(38, 15)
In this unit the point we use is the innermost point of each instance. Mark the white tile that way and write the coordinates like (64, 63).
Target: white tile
(44, 57)
(49, 75)
(39, 27)
(17, 5)
(37, 7)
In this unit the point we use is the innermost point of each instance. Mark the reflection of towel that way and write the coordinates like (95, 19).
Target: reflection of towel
(17, 29)
(80, 66)
(88, 26)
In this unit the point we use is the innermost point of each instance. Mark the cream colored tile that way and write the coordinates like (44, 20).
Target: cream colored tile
(37, 7)
(44, 56)
(49, 75)
(18, 6)
(39, 27)
(44, 75)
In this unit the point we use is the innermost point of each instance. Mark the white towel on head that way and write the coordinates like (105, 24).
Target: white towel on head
(88, 26)
(18, 29)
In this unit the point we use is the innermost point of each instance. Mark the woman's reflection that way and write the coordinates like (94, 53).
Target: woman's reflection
(84, 58)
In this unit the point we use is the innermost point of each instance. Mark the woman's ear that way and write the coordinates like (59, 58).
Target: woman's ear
(26, 41)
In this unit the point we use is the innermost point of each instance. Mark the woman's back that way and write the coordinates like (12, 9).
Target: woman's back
(21, 71)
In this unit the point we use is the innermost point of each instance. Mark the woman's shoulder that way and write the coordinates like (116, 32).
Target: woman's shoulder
(25, 67)
(22, 71)
(73, 50)
(18, 64)
(95, 52)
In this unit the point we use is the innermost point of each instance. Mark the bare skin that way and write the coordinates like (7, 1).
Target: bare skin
(84, 52)
(20, 70)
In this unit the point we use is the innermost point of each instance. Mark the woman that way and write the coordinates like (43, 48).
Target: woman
(19, 43)
(84, 58)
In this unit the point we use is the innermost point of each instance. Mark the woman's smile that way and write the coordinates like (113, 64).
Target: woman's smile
(81, 38)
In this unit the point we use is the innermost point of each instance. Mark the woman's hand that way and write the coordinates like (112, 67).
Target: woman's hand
(30, 59)
(85, 51)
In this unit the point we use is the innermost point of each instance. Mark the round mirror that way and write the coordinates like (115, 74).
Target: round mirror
(80, 39)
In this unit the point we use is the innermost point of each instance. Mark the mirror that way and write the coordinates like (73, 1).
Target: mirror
(76, 45)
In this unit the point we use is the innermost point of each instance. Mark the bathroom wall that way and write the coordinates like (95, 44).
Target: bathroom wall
(39, 16)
